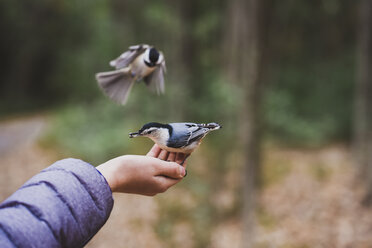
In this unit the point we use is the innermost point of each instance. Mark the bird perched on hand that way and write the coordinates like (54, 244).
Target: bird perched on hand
(180, 137)
(139, 62)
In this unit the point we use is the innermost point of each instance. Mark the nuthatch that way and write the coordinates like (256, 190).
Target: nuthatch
(181, 137)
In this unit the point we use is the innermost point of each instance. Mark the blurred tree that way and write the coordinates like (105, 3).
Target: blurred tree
(43, 62)
(309, 94)
(363, 98)
(245, 43)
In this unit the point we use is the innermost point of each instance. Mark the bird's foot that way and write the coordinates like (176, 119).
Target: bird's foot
(184, 160)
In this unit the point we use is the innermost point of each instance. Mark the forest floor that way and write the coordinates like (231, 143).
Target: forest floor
(309, 198)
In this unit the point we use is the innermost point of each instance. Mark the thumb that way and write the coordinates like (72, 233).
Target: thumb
(171, 169)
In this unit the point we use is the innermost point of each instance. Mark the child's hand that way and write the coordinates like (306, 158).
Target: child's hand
(145, 175)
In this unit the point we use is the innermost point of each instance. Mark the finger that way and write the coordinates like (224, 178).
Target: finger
(163, 155)
(180, 157)
(165, 182)
(171, 157)
(154, 152)
(184, 165)
(170, 169)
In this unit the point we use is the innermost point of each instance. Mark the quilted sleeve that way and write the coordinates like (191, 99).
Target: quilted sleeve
(62, 206)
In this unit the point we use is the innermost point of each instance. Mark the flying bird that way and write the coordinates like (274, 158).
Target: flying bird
(183, 137)
(139, 62)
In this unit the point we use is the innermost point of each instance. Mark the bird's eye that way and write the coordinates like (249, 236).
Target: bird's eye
(150, 131)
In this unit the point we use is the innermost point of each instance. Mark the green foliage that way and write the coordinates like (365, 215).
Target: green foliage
(310, 103)
(308, 98)
(89, 132)
(41, 51)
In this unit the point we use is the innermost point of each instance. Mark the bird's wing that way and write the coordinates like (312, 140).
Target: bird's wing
(129, 56)
(155, 81)
(162, 64)
(197, 132)
(194, 132)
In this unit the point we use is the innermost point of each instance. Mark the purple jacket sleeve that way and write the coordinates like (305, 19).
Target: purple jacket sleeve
(62, 206)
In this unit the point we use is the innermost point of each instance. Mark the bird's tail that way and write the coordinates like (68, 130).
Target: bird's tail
(116, 84)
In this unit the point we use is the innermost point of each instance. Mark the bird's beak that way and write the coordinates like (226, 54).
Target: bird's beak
(135, 134)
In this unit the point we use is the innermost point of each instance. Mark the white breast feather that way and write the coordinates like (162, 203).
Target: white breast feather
(139, 68)
(160, 137)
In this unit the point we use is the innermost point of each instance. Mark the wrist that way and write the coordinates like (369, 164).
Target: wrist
(109, 171)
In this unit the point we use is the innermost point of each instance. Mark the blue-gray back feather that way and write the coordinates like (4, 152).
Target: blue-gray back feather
(186, 133)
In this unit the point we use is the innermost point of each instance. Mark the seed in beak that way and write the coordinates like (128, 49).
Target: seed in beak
(133, 135)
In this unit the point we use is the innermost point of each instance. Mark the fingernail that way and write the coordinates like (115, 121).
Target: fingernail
(182, 171)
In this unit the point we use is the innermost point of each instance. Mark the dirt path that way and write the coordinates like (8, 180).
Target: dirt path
(316, 203)
(19, 133)
(20, 156)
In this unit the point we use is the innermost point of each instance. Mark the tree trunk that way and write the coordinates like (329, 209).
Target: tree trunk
(362, 146)
(244, 47)
(250, 123)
